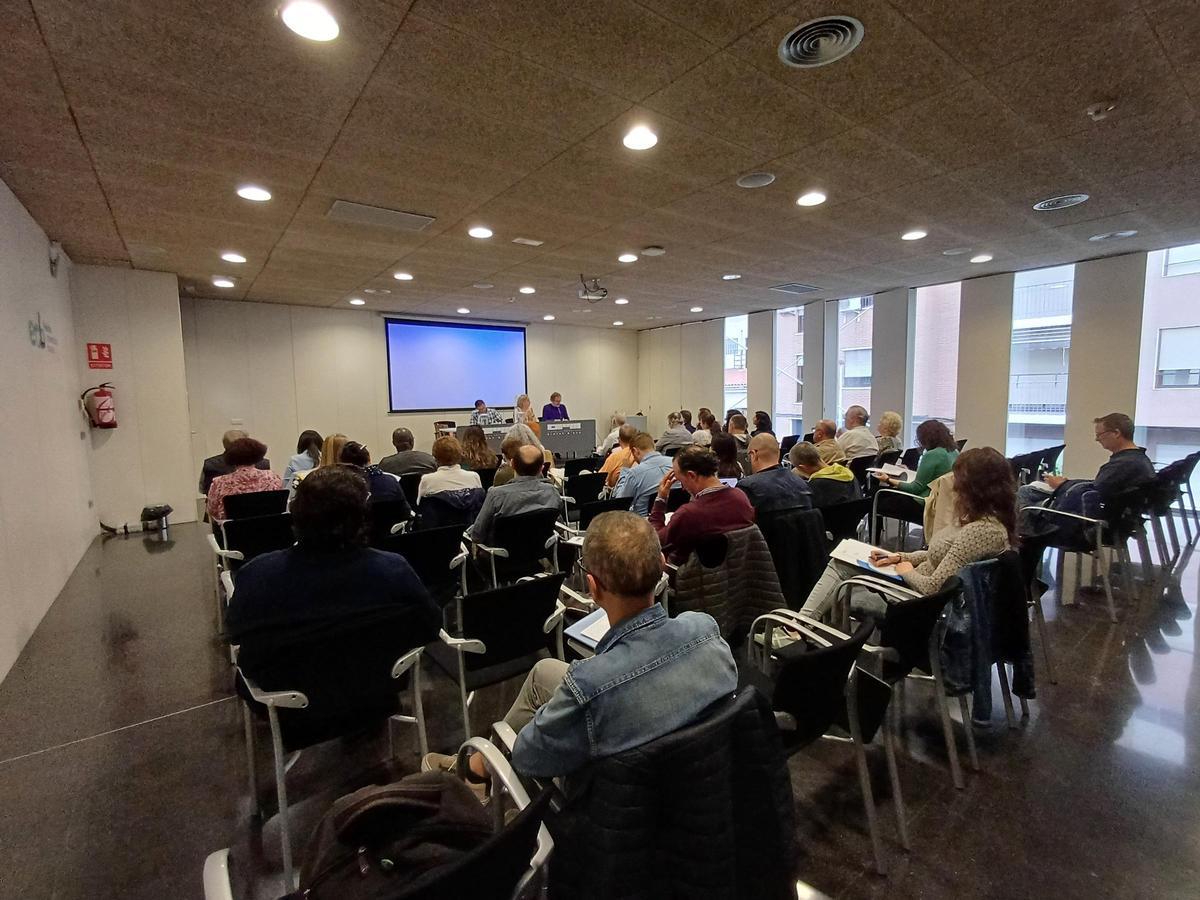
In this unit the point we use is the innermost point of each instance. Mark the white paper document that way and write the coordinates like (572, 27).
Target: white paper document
(900, 473)
(597, 629)
(858, 553)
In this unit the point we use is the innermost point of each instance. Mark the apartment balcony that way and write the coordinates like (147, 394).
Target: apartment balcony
(1038, 398)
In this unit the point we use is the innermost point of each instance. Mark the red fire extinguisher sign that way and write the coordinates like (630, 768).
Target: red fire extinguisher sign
(99, 356)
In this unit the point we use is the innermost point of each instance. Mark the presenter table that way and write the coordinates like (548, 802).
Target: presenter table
(565, 438)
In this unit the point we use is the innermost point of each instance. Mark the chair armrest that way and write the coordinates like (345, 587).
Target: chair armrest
(461, 557)
(502, 771)
(283, 699)
(407, 661)
(578, 597)
(822, 632)
(554, 620)
(1043, 510)
(505, 734)
(551, 541)
(227, 585)
(216, 876)
(223, 554)
(491, 551)
(885, 589)
(461, 645)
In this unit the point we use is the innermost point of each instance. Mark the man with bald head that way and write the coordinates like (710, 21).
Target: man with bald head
(857, 441)
(527, 492)
(772, 488)
(406, 460)
(216, 466)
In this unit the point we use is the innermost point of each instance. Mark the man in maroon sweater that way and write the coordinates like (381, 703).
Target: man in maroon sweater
(713, 509)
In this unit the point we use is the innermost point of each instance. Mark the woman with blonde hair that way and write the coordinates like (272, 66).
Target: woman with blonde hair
(890, 425)
(331, 450)
(523, 414)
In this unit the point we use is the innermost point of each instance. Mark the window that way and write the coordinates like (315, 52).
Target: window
(1178, 357)
(1181, 261)
(789, 371)
(1041, 348)
(737, 329)
(855, 318)
(1168, 393)
(935, 356)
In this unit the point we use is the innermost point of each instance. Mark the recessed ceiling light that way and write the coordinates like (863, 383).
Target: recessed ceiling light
(982, 258)
(310, 19)
(618, 322)
(654, 250)
(1064, 202)
(528, 290)
(1113, 235)
(222, 282)
(697, 309)
(755, 180)
(402, 276)
(639, 137)
(254, 192)
(357, 301)
(620, 301)
(812, 198)
(462, 311)
(232, 257)
(547, 318)
(376, 291)
(730, 277)
(956, 251)
(627, 257)
(480, 231)
(483, 285)
(913, 235)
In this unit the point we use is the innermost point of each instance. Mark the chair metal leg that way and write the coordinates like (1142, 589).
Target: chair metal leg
(285, 835)
(1002, 671)
(251, 767)
(1147, 563)
(1127, 577)
(1173, 534)
(1040, 619)
(897, 795)
(462, 693)
(864, 780)
(1024, 708)
(1184, 517)
(419, 710)
(965, 709)
(1105, 578)
(947, 729)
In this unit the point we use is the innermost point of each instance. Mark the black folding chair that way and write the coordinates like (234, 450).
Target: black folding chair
(255, 503)
(244, 539)
(787, 444)
(887, 458)
(589, 511)
(501, 634)
(386, 515)
(573, 467)
(435, 554)
(486, 477)
(581, 489)
(437, 511)
(859, 468)
(843, 519)
(520, 544)
(907, 509)
(911, 458)
(961, 444)
(410, 483)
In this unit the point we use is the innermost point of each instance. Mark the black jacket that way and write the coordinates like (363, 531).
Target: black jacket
(705, 811)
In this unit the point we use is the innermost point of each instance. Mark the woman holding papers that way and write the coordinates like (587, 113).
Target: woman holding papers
(985, 513)
(940, 453)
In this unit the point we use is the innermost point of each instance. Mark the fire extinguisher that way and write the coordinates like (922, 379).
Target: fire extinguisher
(100, 405)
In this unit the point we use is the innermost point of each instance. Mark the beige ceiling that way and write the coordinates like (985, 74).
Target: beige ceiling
(128, 126)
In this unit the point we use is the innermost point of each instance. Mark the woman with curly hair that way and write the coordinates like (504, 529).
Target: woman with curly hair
(476, 454)
(985, 526)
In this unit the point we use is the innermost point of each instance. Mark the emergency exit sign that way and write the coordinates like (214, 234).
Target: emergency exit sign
(99, 356)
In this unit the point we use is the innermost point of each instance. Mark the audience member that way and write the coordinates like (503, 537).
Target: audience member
(704, 413)
(715, 508)
(890, 426)
(508, 450)
(330, 574)
(308, 455)
(1127, 468)
(523, 414)
(476, 454)
(686, 415)
(244, 454)
(824, 438)
(938, 459)
(725, 447)
(554, 410)
(986, 516)
(450, 475)
(484, 416)
(676, 437)
(651, 674)
(857, 440)
(762, 423)
(527, 492)
(382, 485)
(772, 487)
(218, 465)
(740, 429)
(830, 483)
(622, 456)
(331, 453)
(406, 459)
(618, 419)
(729, 414)
(703, 435)
(641, 480)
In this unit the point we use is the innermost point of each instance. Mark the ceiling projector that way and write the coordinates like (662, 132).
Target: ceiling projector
(592, 293)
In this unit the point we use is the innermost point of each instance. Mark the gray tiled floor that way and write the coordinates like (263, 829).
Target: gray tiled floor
(122, 764)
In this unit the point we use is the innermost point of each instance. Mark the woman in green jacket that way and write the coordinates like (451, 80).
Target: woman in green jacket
(940, 453)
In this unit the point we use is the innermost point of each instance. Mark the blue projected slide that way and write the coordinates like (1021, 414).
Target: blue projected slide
(438, 366)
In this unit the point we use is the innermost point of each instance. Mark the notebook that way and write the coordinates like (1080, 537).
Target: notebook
(858, 553)
(590, 629)
(900, 473)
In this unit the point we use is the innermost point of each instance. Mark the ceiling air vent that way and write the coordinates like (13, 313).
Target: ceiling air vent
(1063, 202)
(794, 287)
(377, 216)
(821, 41)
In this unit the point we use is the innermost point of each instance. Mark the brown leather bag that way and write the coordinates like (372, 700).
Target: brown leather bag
(385, 839)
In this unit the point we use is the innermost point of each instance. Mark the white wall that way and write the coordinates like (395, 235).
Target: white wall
(144, 460)
(984, 349)
(681, 367)
(760, 363)
(46, 521)
(1106, 334)
(276, 370)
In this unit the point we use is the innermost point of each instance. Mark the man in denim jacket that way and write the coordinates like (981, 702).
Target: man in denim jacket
(651, 674)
